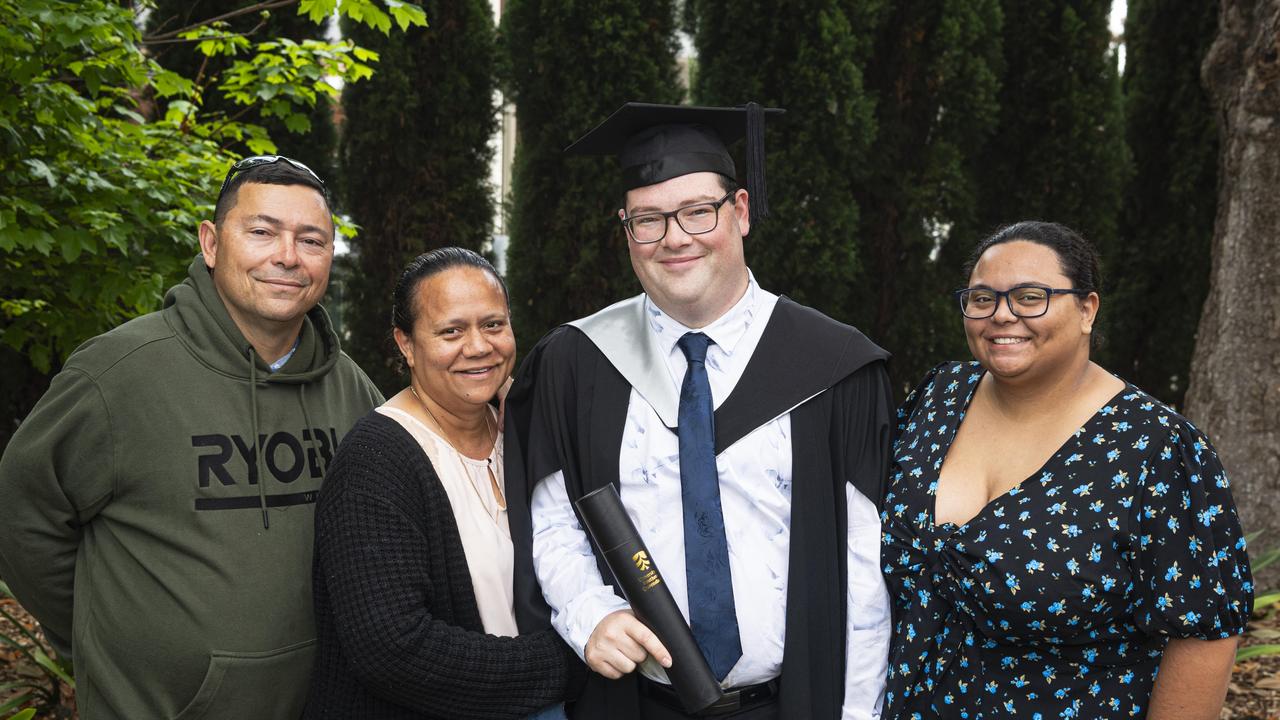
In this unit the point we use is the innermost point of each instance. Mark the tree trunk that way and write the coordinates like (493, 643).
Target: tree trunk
(1235, 374)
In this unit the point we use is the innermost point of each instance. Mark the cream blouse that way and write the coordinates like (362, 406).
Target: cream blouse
(482, 522)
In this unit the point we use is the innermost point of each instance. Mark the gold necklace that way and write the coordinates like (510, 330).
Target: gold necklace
(488, 431)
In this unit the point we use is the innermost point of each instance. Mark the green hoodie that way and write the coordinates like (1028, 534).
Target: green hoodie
(136, 531)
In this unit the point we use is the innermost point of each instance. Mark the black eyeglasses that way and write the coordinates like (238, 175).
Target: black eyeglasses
(695, 219)
(1025, 301)
(260, 160)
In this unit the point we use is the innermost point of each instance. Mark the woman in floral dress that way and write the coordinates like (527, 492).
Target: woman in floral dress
(1054, 536)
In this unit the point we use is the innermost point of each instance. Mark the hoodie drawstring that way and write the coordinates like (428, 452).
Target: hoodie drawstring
(312, 430)
(257, 440)
(310, 433)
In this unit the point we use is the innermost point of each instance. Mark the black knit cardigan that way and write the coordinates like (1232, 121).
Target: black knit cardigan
(398, 631)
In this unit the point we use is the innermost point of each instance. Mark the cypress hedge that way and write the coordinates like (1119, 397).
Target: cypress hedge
(810, 62)
(1159, 274)
(415, 163)
(934, 74)
(567, 65)
(1058, 152)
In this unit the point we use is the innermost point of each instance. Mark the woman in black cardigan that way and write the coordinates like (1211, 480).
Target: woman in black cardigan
(407, 627)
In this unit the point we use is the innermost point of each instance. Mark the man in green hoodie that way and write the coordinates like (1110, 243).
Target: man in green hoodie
(158, 499)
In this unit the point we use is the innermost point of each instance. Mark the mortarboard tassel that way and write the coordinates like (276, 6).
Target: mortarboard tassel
(759, 197)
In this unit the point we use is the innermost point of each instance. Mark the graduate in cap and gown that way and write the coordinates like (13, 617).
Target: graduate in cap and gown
(748, 436)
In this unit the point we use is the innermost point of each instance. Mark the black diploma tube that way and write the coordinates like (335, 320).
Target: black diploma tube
(650, 599)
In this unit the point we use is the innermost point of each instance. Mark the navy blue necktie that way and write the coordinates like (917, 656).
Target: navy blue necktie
(706, 552)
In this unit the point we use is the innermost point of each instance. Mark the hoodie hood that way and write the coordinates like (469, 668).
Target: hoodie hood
(198, 316)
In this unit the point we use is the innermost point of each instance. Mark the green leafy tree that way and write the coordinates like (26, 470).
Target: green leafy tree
(1160, 272)
(569, 64)
(415, 162)
(311, 137)
(934, 75)
(809, 61)
(99, 196)
(1058, 153)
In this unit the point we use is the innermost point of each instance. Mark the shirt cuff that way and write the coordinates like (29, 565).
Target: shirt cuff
(584, 614)
(566, 567)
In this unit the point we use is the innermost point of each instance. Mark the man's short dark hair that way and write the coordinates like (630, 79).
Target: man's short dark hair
(278, 173)
(727, 184)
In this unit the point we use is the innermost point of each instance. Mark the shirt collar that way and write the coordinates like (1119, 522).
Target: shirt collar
(273, 367)
(725, 332)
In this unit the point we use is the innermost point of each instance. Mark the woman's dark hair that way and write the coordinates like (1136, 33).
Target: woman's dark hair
(403, 309)
(1077, 256)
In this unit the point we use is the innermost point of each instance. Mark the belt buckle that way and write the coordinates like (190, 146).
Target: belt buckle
(728, 702)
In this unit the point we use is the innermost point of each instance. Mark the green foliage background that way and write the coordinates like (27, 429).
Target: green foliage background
(313, 138)
(568, 64)
(1159, 271)
(873, 161)
(913, 129)
(809, 61)
(935, 73)
(1058, 152)
(98, 205)
(415, 163)
(109, 161)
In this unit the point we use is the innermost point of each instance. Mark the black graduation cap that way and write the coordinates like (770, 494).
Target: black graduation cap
(655, 143)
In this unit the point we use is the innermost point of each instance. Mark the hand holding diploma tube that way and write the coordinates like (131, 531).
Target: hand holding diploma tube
(642, 585)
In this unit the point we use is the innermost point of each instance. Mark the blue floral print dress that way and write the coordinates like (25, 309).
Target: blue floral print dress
(1057, 599)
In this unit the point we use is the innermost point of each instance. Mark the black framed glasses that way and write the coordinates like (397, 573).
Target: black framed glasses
(695, 219)
(1025, 301)
(260, 160)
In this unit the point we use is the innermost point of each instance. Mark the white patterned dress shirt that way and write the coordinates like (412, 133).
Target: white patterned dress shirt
(755, 493)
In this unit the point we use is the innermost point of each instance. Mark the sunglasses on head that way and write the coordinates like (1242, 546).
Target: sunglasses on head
(260, 160)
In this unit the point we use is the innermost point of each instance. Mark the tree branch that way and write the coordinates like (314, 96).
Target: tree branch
(231, 118)
(258, 7)
(169, 41)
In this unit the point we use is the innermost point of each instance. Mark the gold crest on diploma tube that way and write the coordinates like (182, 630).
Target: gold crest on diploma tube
(649, 577)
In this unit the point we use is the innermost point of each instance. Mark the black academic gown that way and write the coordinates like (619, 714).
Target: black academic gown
(566, 412)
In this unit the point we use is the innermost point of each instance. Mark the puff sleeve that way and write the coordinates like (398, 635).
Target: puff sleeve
(1190, 566)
